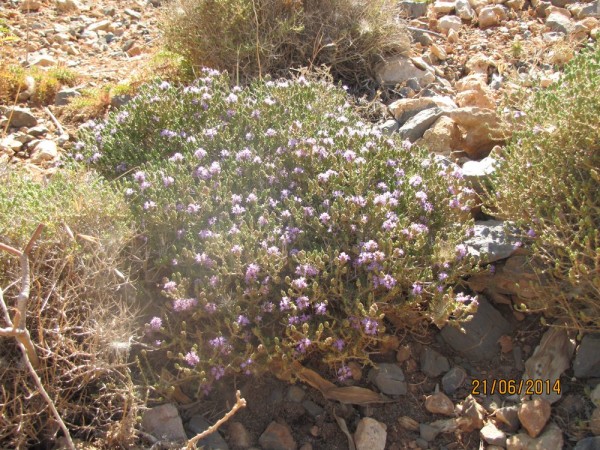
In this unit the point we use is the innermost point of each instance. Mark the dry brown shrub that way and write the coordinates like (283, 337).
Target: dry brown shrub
(250, 38)
(80, 314)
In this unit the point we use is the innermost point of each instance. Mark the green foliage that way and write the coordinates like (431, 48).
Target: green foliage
(549, 183)
(278, 224)
(250, 38)
(47, 82)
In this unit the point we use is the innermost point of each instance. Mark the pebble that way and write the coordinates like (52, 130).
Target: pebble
(20, 117)
(428, 432)
(492, 435)
(213, 441)
(534, 415)
(453, 380)
(295, 394)
(370, 435)
(433, 364)
(239, 436)
(277, 437)
(509, 415)
(439, 403)
(389, 379)
(164, 422)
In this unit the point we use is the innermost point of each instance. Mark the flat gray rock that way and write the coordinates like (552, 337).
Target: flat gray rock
(590, 443)
(478, 339)
(433, 364)
(213, 441)
(414, 127)
(389, 379)
(490, 242)
(587, 359)
(164, 423)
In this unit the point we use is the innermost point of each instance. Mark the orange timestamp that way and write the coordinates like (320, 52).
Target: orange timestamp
(515, 387)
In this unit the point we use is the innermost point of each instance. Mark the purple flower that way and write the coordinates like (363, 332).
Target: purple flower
(461, 251)
(370, 325)
(252, 272)
(339, 344)
(192, 358)
(273, 251)
(442, 276)
(417, 289)
(168, 181)
(210, 308)
(344, 373)
(245, 365)
(422, 196)
(302, 302)
(343, 258)
(415, 180)
(217, 372)
(386, 281)
(299, 283)
(184, 304)
(303, 345)
(307, 270)
(370, 246)
(236, 250)
(252, 198)
(531, 233)
(321, 308)
(284, 304)
(139, 176)
(219, 342)
(149, 205)
(170, 286)
(155, 323)
(200, 153)
(176, 157)
(242, 320)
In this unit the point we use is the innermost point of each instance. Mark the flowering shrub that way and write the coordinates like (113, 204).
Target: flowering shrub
(548, 184)
(282, 225)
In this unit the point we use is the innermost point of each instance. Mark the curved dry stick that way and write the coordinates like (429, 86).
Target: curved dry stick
(239, 403)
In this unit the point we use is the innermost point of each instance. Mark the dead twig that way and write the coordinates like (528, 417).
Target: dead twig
(61, 131)
(239, 403)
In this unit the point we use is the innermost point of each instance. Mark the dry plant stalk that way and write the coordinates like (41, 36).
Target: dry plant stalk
(18, 330)
(239, 403)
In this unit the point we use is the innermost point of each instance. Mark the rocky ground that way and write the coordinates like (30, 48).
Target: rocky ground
(448, 389)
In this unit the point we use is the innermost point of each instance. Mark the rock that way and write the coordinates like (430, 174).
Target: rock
(64, 95)
(132, 13)
(474, 412)
(388, 378)
(388, 128)
(595, 422)
(428, 432)
(590, 443)
(45, 150)
(533, 415)
(549, 360)
(587, 359)
(589, 10)
(433, 364)
(20, 117)
(550, 439)
(453, 36)
(408, 423)
(399, 69)
(490, 242)
(312, 408)
(405, 108)
(447, 23)
(370, 435)
(559, 23)
(413, 9)
(464, 10)
(164, 423)
(509, 415)
(492, 435)
(453, 380)
(66, 6)
(595, 396)
(491, 16)
(103, 25)
(478, 338)
(516, 5)
(239, 437)
(136, 50)
(416, 126)
(478, 173)
(443, 6)
(10, 145)
(295, 394)
(439, 52)
(439, 403)
(30, 5)
(421, 36)
(277, 437)
(442, 138)
(42, 61)
(481, 130)
(476, 98)
(213, 441)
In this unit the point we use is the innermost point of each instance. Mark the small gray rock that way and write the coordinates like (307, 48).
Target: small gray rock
(413, 9)
(64, 95)
(213, 441)
(295, 394)
(433, 364)
(164, 422)
(492, 435)
(587, 359)
(590, 443)
(559, 23)
(312, 408)
(370, 434)
(464, 10)
(509, 416)
(20, 117)
(490, 242)
(45, 150)
(277, 437)
(428, 432)
(478, 173)
(389, 379)
(453, 380)
(414, 127)
(478, 339)
(389, 127)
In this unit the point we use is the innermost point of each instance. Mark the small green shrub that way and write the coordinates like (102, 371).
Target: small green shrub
(279, 225)
(549, 184)
(77, 315)
(250, 38)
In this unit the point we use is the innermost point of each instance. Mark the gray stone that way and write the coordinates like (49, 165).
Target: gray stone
(428, 432)
(45, 150)
(464, 10)
(213, 441)
(453, 380)
(589, 10)
(590, 443)
(421, 36)
(20, 117)
(10, 145)
(413, 9)
(509, 416)
(277, 437)
(559, 23)
(399, 69)
(477, 339)
(239, 437)
(389, 127)
(443, 6)
(64, 95)
(550, 439)
(295, 394)
(64, 6)
(478, 173)
(132, 13)
(490, 242)
(405, 108)
(433, 364)
(447, 23)
(164, 423)
(562, 3)
(370, 435)
(587, 359)
(103, 25)
(312, 408)
(492, 435)
(415, 127)
(42, 61)
(120, 100)
(388, 378)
